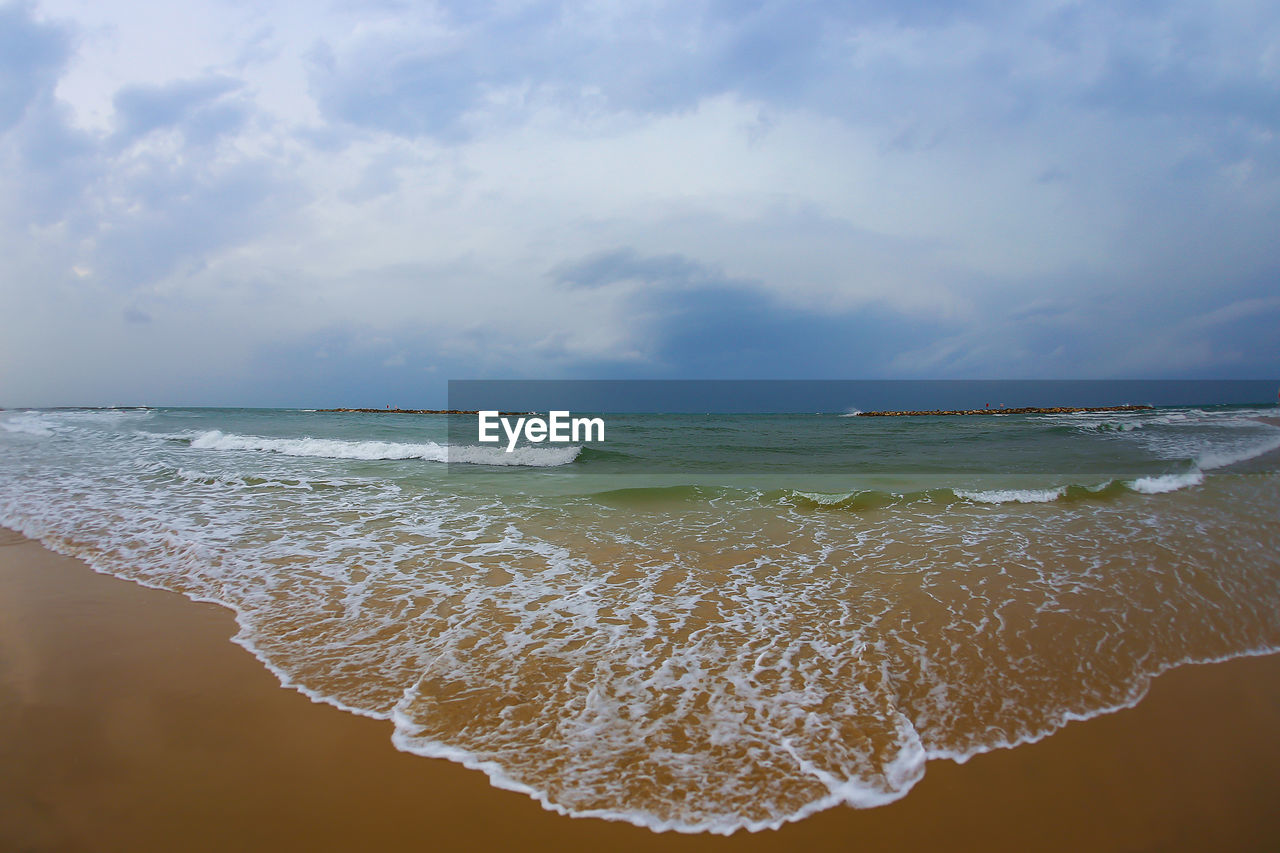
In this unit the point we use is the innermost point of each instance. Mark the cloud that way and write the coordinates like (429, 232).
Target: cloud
(690, 319)
(618, 265)
(734, 332)
(182, 215)
(386, 84)
(32, 54)
(136, 315)
(449, 70)
(195, 106)
(658, 188)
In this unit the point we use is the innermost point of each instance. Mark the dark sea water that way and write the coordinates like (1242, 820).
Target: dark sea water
(709, 621)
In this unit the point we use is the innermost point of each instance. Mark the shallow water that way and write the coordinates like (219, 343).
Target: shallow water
(709, 622)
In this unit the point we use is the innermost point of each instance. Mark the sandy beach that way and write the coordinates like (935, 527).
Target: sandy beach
(130, 722)
(607, 427)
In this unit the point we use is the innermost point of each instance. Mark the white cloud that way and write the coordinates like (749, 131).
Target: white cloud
(219, 180)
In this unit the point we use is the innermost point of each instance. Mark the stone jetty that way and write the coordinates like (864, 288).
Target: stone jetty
(1023, 410)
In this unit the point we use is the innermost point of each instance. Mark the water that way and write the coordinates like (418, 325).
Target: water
(710, 622)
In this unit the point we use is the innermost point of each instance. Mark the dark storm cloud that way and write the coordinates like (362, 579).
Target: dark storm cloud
(700, 323)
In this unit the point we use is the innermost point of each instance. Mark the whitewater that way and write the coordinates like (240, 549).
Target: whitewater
(708, 623)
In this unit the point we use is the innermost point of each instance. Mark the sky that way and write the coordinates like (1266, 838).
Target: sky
(350, 203)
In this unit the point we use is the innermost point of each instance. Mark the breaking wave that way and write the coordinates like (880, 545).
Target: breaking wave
(685, 657)
(331, 448)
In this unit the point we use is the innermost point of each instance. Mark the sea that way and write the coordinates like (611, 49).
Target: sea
(710, 621)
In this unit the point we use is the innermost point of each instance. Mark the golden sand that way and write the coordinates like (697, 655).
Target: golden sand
(128, 722)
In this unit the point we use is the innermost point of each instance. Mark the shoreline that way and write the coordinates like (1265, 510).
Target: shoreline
(131, 722)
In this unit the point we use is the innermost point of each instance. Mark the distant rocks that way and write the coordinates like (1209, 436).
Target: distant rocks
(1024, 410)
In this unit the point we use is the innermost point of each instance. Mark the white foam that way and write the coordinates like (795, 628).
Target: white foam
(533, 457)
(1222, 458)
(331, 448)
(98, 416)
(352, 597)
(27, 423)
(1018, 496)
(1206, 440)
(326, 448)
(827, 499)
(47, 423)
(1167, 482)
(183, 435)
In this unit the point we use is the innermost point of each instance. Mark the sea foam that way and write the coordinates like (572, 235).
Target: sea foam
(1020, 496)
(734, 664)
(430, 451)
(1167, 482)
(27, 423)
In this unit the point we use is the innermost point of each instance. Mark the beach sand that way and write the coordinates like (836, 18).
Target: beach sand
(129, 722)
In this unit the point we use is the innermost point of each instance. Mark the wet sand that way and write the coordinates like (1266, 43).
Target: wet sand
(129, 722)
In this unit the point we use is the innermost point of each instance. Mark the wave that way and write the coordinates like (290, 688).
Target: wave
(1107, 426)
(863, 500)
(650, 496)
(1012, 496)
(576, 656)
(430, 451)
(325, 448)
(526, 457)
(47, 423)
(1168, 482)
(249, 481)
(1220, 459)
(871, 499)
(27, 423)
(858, 501)
(599, 454)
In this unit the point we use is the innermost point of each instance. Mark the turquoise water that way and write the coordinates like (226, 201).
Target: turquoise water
(707, 622)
